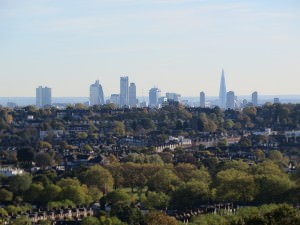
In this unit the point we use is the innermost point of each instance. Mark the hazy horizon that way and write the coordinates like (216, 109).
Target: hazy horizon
(177, 45)
(23, 101)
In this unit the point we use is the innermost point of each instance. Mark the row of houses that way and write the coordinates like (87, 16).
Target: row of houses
(55, 215)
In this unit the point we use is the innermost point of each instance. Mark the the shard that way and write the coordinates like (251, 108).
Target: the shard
(222, 94)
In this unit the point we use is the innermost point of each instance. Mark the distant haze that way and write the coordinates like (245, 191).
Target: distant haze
(193, 100)
(177, 45)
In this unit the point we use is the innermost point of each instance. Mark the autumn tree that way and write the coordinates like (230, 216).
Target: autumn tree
(155, 218)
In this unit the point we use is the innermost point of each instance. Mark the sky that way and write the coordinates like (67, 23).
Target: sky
(176, 45)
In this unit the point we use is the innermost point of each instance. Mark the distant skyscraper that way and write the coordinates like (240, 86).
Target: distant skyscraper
(154, 95)
(43, 97)
(230, 99)
(222, 94)
(255, 98)
(276, 101)
(124, 98)
(96, 94)
(132, 95)
(202, 99)
(173, 96)
(115, 99)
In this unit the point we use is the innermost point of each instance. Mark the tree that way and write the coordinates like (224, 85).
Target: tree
(190, 195)
(34, 193)
(90, 221)
(45, 222)
(22, 220)
(50, 193)
(134, 175)
(250, 111)
(3, 215)
(74, 191)
(81, 135)
(272, 187)
(201, 175)
(26, 155)
(229, 124)
(99, 177)
(116, 171)
(44, 145)
(43, 159)
(155, 218)
(127, 214)
(118, 198)
(154, 159)
(222, 143)
(87, 148)
(259, 154)
(267, 168)
(20, 183)
(234, 164)
(235, 185)
(156, 200)
(147, 123)
(245, 142)
(119, 128)
(59, 204)
(211, 219)
(275, 156)
(110, 221)
(284, 214)
(5, 195)
(163, 181)
(185, 171)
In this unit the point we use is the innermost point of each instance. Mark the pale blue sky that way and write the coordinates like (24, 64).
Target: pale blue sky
(177, 45)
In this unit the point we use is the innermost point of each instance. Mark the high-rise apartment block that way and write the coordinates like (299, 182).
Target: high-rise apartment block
(132, 95)
(202, 99)
(124, 92)
(96, 94)
(43, 97)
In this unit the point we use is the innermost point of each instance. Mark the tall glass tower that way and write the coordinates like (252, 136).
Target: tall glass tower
(96, 94)
(124, 98)
(132, 95)
(223, 93)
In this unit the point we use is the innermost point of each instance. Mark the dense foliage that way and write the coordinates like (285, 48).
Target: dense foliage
(130, 179)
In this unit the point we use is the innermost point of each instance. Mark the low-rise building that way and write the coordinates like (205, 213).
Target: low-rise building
(10, 171)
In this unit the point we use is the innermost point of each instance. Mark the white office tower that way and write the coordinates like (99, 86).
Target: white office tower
(124, 97)
(43, 97)
(96, 94)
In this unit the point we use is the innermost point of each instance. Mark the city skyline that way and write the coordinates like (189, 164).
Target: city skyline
(153, 42)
